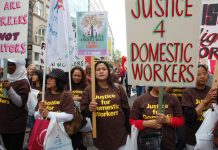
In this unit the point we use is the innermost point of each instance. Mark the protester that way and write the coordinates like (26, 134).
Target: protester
(195, 102)
(210, 76)
(37, 79)
(57, 102)
(111, 107)
(128, 87)
(122, 74)
(88, 73)
(13, 114)
(156, 130)
(79, 83)
(30, 70)
(115, 75)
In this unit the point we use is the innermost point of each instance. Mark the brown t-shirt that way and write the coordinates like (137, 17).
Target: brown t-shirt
(191, 98)
(145, 108)
(12, 118)
(58, 102)
(111, 130)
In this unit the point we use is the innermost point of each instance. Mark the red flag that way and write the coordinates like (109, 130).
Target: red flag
(124, 65)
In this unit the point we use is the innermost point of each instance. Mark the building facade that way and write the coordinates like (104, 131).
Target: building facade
(38, 14)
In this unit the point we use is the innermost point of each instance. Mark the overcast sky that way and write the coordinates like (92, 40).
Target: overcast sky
(116, 18)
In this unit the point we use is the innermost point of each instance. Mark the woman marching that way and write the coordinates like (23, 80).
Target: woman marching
(36, 86)
(13, 114)
(57, 101)
(195, 102)
(37, 79)
(156, 130)
(79, 83)
(111, 107)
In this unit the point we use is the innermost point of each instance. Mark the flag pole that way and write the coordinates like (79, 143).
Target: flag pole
(44, 72)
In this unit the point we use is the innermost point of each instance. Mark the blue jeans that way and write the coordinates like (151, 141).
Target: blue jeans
(149, 143)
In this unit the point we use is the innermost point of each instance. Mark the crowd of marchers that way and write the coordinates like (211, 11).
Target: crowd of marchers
(172, 129)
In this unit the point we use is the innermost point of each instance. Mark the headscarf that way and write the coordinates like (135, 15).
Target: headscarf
(20, 72)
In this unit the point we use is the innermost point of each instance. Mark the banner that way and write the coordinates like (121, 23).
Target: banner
(42, 54)
(59, 35)
(209, 30)
(109, 47)
(78, 61)
(92, 31)
(209, 34)
(13, 28)
(163, 42)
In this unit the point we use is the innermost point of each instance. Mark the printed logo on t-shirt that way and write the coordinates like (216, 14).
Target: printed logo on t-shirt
(105, 108)
(201, 117)
(3, 99)
(151, 111)
(76, 93)
(51, 105)
(177, 92)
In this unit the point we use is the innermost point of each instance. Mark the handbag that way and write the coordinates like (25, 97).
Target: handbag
(1, 144)
(131, 142)
(77, 123)
(38, 134)
(87, 139)
(56, 138)
(204, 136)
(150, 140)
(87, 127)
(32, 101)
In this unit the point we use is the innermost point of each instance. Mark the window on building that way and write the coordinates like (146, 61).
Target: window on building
(39, 35)
(38, 8)
(46, 13)
(36, 57)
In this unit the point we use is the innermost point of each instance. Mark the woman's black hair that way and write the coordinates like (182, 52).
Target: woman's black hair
(150, 88)
(83, 82)
(60, 85)
(203, 66)
(109, 80)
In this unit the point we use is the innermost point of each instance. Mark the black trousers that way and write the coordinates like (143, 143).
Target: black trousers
(13, 141)
(77, 141)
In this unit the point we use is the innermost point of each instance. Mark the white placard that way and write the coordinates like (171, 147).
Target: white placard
(163, 42)
(13, 28)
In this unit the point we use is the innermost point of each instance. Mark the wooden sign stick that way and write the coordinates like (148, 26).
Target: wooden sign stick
(160, 100)
(215, 76)
(94, 132)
